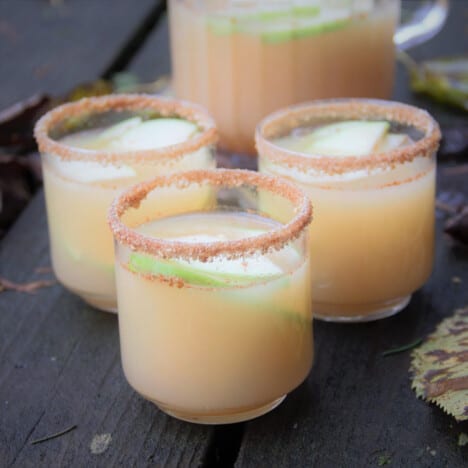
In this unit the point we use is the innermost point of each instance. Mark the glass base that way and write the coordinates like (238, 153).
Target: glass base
(228, 417)
(104, 303)
(345, 313)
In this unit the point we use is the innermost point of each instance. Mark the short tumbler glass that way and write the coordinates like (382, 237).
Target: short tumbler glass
(80, 183)
(372, 243)
(215, 317)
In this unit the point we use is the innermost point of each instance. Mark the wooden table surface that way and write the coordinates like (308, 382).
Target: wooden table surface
(59, 358)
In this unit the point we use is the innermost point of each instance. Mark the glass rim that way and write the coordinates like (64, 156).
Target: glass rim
(165, 248)
(350, 108)
(126, 102)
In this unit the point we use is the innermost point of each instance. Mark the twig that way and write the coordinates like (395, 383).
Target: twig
(31, 287)
(456, 170)
(54, 436)
(43, 270)
(446, 207)
(401, 349)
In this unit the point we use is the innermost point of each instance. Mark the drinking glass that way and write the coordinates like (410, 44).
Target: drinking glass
(372, 241)
(214, 305)
(80, 181)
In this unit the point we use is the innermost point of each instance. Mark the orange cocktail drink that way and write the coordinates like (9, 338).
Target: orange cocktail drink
(92, 150)
(214, 304)
(369, 168)
(243, 60)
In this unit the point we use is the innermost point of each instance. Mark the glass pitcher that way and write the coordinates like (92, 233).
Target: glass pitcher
(244, 59)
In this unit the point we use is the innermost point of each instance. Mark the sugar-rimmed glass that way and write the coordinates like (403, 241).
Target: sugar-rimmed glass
(214, 305)
(80, 182)
(373, 239)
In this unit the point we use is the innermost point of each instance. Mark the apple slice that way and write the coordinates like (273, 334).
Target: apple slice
(393, 141)
(254, 20)
(357, 138)
(155, 133)
(219, 272)
(328, 20)
(105, 139)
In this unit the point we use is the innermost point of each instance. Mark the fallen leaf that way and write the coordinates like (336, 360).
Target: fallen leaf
(15, 190)
(444, 79)
(456, 170)
(462, 439)
(98, 87)
(43, 270)
(457, 226)
(17, 123)
(439, 366)
(384, 460)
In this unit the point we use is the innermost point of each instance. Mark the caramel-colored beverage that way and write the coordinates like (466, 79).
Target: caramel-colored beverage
(86, 168)
(215, 306)
(244, 61)
(236, 335)
(81, 242)
(372, 183)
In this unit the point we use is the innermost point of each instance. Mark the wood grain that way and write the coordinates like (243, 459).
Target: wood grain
(52, 46)
(59, 359)
(357, 408)
(153, 60)
(60, 366)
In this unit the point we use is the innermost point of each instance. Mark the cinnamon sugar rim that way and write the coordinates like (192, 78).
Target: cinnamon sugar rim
(119, 103)
(354, 109)
(165, 248)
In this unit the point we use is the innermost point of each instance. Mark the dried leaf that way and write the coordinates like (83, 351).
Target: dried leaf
(456, 170)
(124, 82)
(29, 287)
(15, 189)
(457, 226)
(98, 87)
(440, 366)
(462, 439)
(43, 270)
(444, 79)
(384, 460)
(17, 123)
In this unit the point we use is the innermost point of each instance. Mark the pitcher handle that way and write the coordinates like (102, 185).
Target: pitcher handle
(424, 24)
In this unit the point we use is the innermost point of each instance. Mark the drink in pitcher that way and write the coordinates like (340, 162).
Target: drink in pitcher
(93, 149)
(243, 60)
(369, 168)
(214, 305)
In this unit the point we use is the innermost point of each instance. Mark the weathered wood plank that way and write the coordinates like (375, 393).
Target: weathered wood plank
(60, 366)
(451, 41)
(59, 359)
(153, 59)
(357, 409)
(52, 46)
